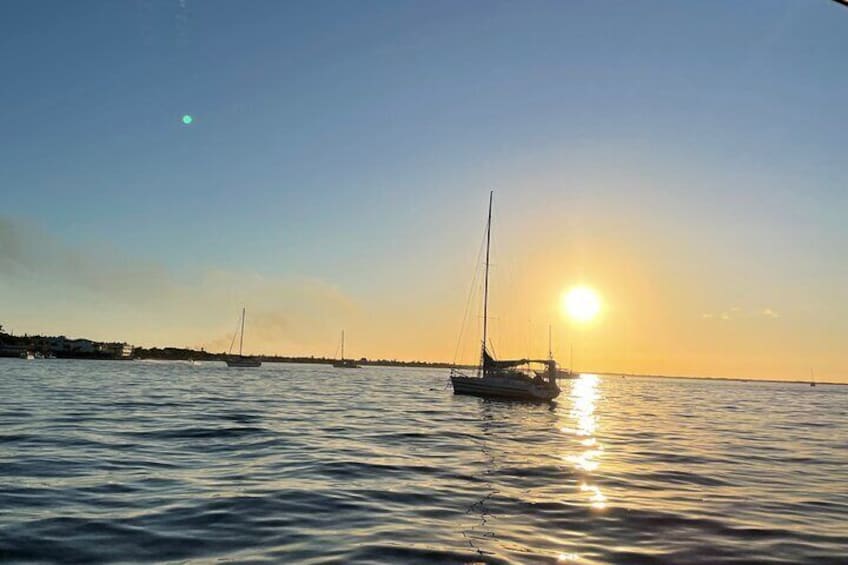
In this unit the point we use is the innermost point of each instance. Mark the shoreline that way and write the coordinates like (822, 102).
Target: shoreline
(12, 346)
(737, 379)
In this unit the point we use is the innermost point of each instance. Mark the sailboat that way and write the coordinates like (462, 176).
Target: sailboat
(503, 379)
(345, 363)
(242, 360)
(559, 371)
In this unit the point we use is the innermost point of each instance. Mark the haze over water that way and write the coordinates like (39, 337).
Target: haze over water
(148, 461)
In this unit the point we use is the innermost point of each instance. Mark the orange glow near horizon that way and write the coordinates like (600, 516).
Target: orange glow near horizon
(646, 305)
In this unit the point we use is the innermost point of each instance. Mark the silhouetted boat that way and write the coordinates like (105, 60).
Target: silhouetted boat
(501, 378)
(242, 360)
(559, 372)
(345, 363)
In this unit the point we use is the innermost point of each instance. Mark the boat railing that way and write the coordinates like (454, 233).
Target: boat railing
(458, 372)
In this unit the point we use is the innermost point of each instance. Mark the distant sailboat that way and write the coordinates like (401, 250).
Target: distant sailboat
(502, 379)
(812, 378)
(560, 372)
(345, 363)
(242, 360)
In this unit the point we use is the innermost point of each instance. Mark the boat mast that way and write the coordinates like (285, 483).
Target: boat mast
(486, 283)
(342, 345)
(241, 335)
(550, 350)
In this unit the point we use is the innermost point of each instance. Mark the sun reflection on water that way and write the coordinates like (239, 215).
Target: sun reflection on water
(586, 461)
(596, 497)
(585, 425)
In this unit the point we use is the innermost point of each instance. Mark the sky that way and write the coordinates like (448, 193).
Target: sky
(683, 159)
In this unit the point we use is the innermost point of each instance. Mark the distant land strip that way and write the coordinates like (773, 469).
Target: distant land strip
(67, 348)
(697, 378)
(183, 354)
(80, 348)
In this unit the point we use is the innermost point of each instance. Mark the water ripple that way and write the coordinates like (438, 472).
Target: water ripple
(150, 462)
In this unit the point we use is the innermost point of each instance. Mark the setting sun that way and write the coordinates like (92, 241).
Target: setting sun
(581, 303)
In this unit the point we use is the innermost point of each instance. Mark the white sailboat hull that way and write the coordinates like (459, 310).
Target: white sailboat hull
(504, 387)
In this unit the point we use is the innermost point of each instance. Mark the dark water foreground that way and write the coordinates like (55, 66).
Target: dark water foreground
(144, 461)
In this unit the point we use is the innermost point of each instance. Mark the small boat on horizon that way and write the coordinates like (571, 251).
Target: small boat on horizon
(502, 379)
(345, 363)
(559, 372)
(241, 360)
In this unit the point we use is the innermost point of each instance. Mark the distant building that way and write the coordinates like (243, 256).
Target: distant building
(81, 346)
(64, 347)
(117, 350)
(61, 346)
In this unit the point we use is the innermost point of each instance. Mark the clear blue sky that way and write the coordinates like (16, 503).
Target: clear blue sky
(353, 143)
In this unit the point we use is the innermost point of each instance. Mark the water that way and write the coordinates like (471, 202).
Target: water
(145, 461)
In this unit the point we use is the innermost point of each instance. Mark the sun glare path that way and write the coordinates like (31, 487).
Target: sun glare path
(587, 458)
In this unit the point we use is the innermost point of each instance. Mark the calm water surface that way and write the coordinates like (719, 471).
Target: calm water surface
(146, 461)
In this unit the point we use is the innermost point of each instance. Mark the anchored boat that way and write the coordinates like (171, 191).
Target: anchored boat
(561, 373)
(345, 363)
(502, 378)
(241, 360)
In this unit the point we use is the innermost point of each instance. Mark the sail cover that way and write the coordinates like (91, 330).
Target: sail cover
(489, 362)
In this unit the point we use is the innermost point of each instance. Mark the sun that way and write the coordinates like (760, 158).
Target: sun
(581, 303)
